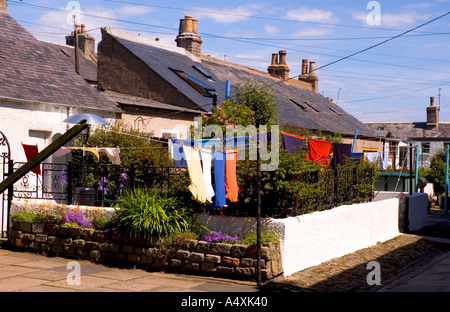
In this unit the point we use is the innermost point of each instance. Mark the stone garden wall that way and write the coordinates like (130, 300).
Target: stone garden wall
(187, 256)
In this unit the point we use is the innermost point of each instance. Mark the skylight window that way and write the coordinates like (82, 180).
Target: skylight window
(335, 111)
(315, 109)
(65, 52)
(201, 87)
(298, 104)
(203, 72)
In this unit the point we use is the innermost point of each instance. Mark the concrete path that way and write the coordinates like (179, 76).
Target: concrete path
(27, 272)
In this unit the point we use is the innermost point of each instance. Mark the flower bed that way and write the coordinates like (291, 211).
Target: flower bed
(182, 255)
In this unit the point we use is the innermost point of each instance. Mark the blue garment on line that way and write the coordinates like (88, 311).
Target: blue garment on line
(219, 199)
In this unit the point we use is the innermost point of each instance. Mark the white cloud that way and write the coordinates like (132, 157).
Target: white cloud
(304, 14)
(228, 16)
(129, 10)
(271, 30)
(421, 5)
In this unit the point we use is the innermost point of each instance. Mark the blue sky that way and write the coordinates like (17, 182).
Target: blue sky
(392, 82)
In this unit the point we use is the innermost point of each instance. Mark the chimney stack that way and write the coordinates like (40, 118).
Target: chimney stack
(432, 116)
(86, 43)
(187, 36)
(278, 67)
(3, 7)
(310, 78)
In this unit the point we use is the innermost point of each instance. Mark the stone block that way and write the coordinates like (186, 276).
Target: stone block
(202, 246)
(74, 232)
(35, 245)
(41, 238)
(224, 270)
(121, 256)
(16, 234)
(66, 241)
(25, 226)
(100, 236)
(94, 254)
(151, 252)
(81, 252)
(133, 258)
(15, 225)
(139, 250)
(78, 243)
(86, 234)
(252, 252)
(183, 254)
(52, 240)
(208, 266)
(90, 245)
(229, 261)
(220, 249)
(196, 257)
(69, 250)
(266, 274)
(213, 258)
(148, 260)
(238, 251)
(45, 247)
(192, 265)
(263, 263)
(175, 263)
(57, 248)
(51, 229)
(28, 237)
(190, 244)
(245, 271)
(37, 228)
(127, 248)
(246, 262)
(63, 230)
(20, 243)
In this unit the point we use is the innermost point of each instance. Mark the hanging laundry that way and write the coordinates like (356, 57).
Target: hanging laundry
(92, 150)
(340, 151)
(371, 157)
(30, 152)
(197, 186)
(219, 199)
(113, 154)
(292, 143)
(384, 158)
(62, 151)
(206, 163)
(318, 151)
(231, 185)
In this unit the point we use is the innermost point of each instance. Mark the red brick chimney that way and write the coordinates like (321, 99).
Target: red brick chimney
(187, 36)
(432, 116)
(278, 67)
(310, 77)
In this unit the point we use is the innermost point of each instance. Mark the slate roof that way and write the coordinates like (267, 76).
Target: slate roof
(161, 58)
(88, 68)
(30, 70)
(297, 106)
(410, 130)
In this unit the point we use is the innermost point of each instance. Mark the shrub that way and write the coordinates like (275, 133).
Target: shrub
(267, 237)
(145, 213)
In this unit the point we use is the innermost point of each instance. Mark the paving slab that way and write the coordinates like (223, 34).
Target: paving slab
(15, 283)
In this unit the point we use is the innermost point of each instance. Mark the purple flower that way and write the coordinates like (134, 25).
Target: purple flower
(123, 176)
(63, 177)
(220, 237)
(102, 183)
(77, 218)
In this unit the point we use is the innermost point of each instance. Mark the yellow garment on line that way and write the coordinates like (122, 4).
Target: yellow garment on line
(197, 186)
(88, 149)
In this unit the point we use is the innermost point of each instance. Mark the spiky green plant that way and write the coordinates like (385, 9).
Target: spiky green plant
(145, 213)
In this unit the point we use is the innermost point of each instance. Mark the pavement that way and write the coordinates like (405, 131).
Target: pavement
(28, 272)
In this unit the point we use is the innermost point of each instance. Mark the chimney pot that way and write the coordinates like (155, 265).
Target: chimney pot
(194, 26)
(77, 28)
(188, 24)
(274, 59)
(182, 27)
(3, 7)
(304, 67)
(432, 101)
(83, 28)
(312, 68)
(282, 59)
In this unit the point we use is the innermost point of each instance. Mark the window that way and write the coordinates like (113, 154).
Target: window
(425, 148)
(203, 72)
(335, 111)
(298, 104)
(65, 52)
(315, 109)
(172, 134)
(201, 87)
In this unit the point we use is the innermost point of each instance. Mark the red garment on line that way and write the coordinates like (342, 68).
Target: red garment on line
(30, 152)
(318, 151)
(231, 185)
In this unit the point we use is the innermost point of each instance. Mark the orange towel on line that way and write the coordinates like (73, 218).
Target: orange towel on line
(30, 152)
(231, 185)
(318, 151)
